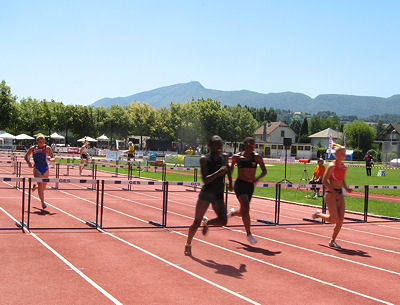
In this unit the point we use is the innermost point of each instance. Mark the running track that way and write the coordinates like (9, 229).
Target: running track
(289, 264)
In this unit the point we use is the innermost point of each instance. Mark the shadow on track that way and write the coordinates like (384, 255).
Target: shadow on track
(348, 251)
(42, 212)
(223, 269)
(253, 249)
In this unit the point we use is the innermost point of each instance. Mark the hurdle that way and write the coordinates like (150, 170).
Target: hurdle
(277, 205)
(194, 180)
(27, 224)
(18, 224)
(153, 223)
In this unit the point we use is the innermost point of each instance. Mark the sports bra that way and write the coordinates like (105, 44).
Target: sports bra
(247, 163)
(338, 173)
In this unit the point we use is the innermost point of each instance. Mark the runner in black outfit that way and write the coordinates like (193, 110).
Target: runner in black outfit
(214, 167)
(247, 161)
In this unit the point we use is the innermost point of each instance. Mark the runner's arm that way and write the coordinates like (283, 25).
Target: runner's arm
(50, 153)
(327, 175)
(207, 178)
(27, 157)
(263, 168)
(229, 172)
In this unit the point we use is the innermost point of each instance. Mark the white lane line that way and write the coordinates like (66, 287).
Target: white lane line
(288, 270)
(370, 233)
(397, 228)
(327, 283)
(151, 254)
(305, 249)
(344, 240)
(298, 273)
(321, 253)
(296, 218)
(180, 268)
(70, 265)
(282, 216)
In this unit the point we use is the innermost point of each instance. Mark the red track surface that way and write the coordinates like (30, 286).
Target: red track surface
(288, 265)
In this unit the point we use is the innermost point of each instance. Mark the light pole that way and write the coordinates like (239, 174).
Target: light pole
(391, 148)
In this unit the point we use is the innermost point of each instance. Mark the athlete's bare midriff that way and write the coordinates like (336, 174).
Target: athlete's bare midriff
(247, 174)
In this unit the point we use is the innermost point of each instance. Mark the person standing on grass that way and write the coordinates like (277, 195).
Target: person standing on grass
(214, 166)
(369, 161)
(84, 152)
(334, 181)
(131, 151)
(41, 153)
(318, 173)
(247, 161)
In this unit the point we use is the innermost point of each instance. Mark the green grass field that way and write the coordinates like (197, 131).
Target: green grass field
(295, 174)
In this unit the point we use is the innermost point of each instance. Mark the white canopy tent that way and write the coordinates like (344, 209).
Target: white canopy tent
(103, 138)
(87, 138)
(7, 135)
(23, 136)
(56, 136)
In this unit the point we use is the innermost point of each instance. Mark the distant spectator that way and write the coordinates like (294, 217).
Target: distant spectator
(131, 151)
(189, 151)
(369, 161)
(318, 173)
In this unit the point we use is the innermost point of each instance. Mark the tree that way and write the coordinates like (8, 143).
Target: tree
(82, 121)
(7, 105)
(209, 117)
(240, 124)
(141, 119)
(296, 127)
(315, 125)
(360, 135)
(162, 127)
(48, 116)
(379, 127)
(15, 119)
(65, 119)
(303, 137)
(30, 116)
(118, 122)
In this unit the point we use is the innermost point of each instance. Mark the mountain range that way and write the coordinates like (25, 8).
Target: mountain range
(360, 106)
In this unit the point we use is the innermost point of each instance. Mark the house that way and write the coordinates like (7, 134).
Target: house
(389, 142)
(274, 132)
(270, 142)
(322, 138)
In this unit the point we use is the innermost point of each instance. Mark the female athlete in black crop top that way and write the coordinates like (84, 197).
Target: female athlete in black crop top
(214, 167)
(246, 162)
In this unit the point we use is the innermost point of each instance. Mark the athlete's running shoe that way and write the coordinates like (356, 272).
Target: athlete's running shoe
(205, 226)
(231, 211)
(334, 245)
(315, 214)
(44, 205)
(251, 239)
(188, 250)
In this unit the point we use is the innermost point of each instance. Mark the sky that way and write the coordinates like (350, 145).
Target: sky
(77, 52)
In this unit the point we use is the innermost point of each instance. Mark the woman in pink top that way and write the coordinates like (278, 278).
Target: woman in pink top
(334, 181)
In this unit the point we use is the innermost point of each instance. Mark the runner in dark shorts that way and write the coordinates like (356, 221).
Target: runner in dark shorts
(246, 161)
(214, 167)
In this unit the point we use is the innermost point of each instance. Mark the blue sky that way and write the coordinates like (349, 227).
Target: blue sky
(77, 52)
